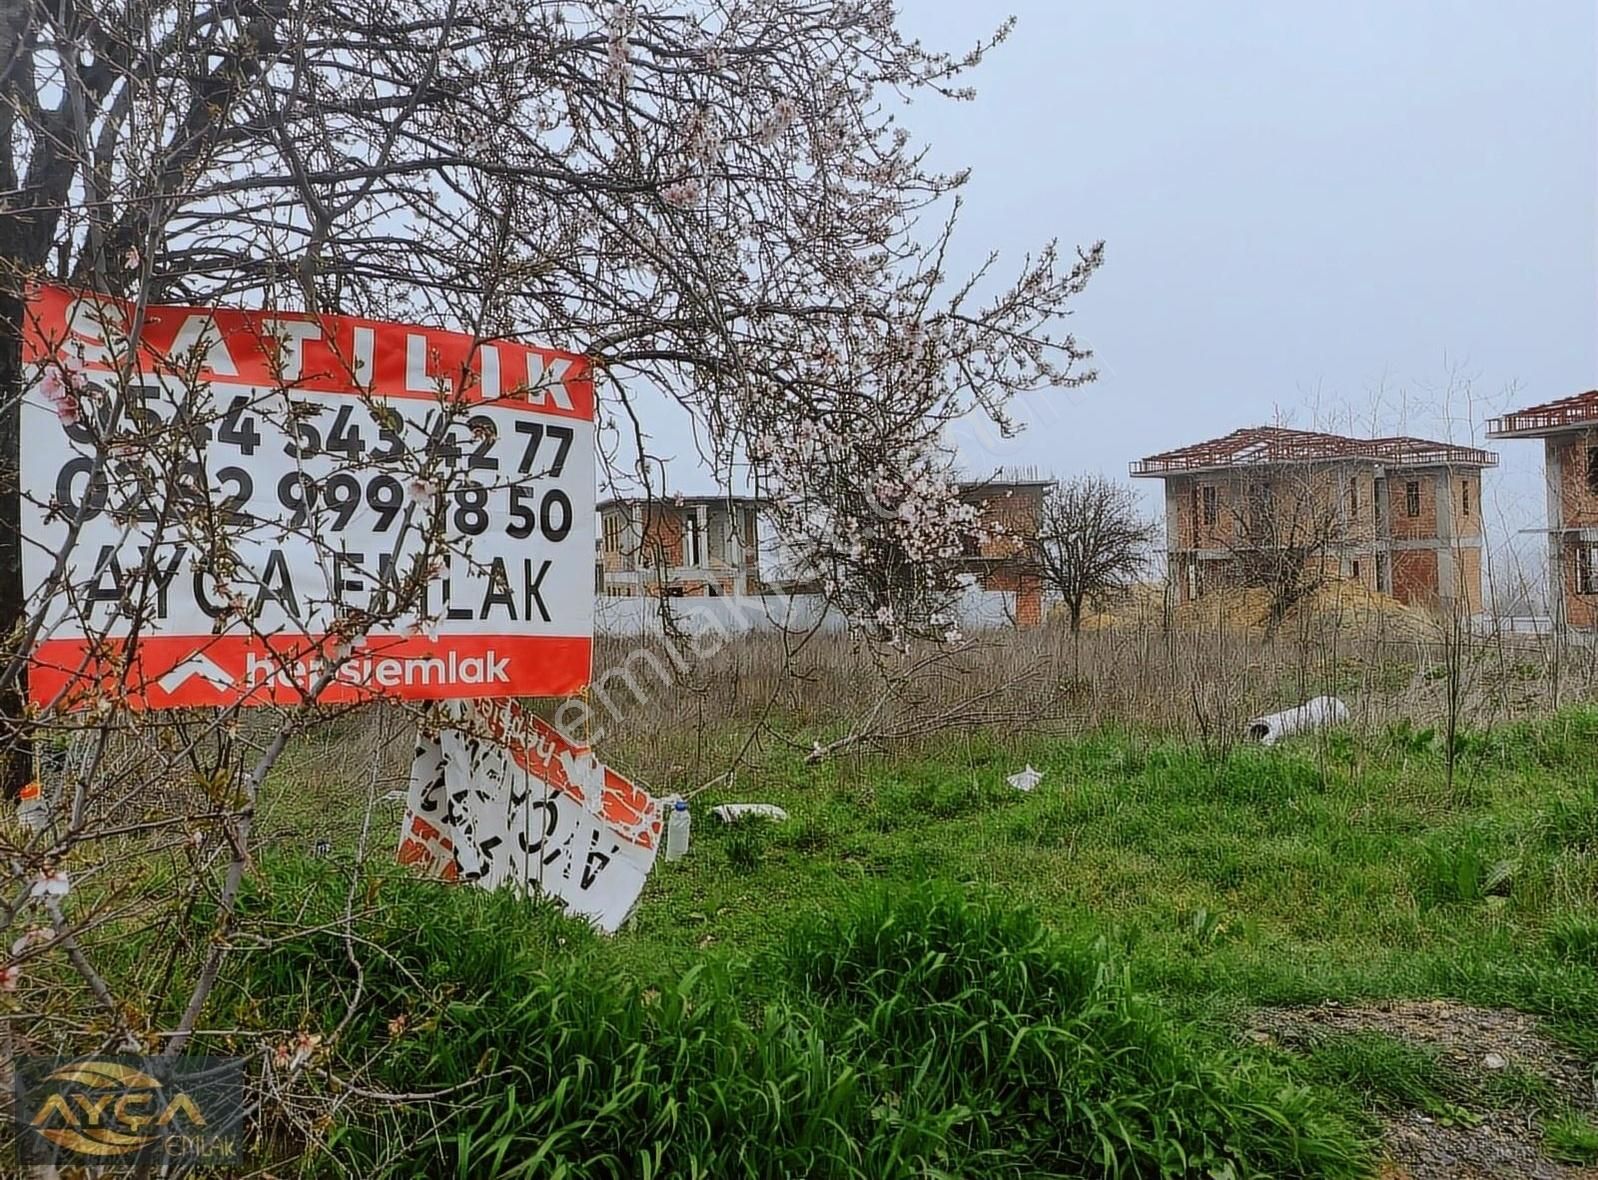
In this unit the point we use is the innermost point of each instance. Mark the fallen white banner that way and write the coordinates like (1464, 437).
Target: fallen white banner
(499, 797)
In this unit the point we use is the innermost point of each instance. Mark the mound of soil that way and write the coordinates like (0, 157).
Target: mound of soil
(1341, 605)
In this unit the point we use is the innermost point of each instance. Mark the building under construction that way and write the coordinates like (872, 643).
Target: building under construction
(1399, 515)
(678, 546)
(1010, 505)
(1569, 430)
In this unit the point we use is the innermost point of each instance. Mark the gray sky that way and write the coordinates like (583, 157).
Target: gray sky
(1313, 212)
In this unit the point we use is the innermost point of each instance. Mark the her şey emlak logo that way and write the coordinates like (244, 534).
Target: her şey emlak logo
(122, 1110)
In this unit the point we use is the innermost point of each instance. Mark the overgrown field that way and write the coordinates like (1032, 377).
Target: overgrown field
(927, 972)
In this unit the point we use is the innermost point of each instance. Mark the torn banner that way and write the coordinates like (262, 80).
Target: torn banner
(499, 797)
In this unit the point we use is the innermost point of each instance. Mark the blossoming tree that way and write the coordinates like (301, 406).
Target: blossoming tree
(716, 202)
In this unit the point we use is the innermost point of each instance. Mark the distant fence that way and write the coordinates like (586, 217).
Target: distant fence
(976, 610)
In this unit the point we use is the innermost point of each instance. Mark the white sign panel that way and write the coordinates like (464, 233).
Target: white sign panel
(271, 481)
(501, 798)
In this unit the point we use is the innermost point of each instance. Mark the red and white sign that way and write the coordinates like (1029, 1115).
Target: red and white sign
(273, 488)
(499, 797)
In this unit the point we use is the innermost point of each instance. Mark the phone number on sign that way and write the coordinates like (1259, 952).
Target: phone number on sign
(83, 486)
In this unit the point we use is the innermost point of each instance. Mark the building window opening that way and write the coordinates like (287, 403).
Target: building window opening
(1412, 498)
(1209, 504)
(692, 541)
(1260, 523)
(1587, 569)
(1592, 469)
(1464, 497)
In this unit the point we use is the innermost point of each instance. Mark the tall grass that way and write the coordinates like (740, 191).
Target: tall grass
(911, 1035)
(1053, 1063)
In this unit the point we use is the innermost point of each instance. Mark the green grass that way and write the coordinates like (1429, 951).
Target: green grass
(1169, 893)
(924, 1033)
(1571, 1138)
(1283, 876)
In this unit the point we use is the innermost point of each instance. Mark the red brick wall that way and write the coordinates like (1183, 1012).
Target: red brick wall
(1014, 514)
(1404, 526)
(1027, 588)
(1190, 530)
(1467, 492)
(1017, 512)
(1581, 610)
(1578, 503)
(662, 541)
(1415, 575)
(1467, 578)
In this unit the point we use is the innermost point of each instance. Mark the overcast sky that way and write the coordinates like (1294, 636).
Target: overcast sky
(1313, 213)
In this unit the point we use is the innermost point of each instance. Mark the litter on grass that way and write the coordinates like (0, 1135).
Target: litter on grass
(1311, 715)
(729, 812)
(1025, 780)
(499, 797)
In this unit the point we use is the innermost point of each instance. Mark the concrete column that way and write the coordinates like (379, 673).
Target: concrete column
(1447, 554)
(1553, 473)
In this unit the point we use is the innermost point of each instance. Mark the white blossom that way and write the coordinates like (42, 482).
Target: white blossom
(53, 883)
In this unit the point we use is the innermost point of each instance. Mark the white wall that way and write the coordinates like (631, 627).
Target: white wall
(976, 610)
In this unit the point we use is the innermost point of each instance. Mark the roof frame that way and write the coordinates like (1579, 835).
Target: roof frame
(1568, 413)
(1270, 445)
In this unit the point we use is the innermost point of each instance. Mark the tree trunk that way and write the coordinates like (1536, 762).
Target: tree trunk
(16, 747)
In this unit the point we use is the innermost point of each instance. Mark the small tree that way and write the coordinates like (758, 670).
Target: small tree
(1288, 534)
(1092, 542)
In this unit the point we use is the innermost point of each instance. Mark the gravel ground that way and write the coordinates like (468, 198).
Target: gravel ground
(1476, 1041)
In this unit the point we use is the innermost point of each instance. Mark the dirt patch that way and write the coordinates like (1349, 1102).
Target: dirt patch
(1475, 1042)
(1504, 1143)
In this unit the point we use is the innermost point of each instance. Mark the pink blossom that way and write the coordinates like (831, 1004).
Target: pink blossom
(34, 937)
(777, 123)
(56, 386)
(66, 409)
(681, 195)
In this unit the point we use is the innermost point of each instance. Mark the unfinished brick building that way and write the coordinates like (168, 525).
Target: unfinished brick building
(1399, 515)
(1569, 430)
(679, 546)
(1011, 509)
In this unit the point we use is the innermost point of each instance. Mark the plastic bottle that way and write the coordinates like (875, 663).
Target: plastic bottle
(32, 809)
(677, 824)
